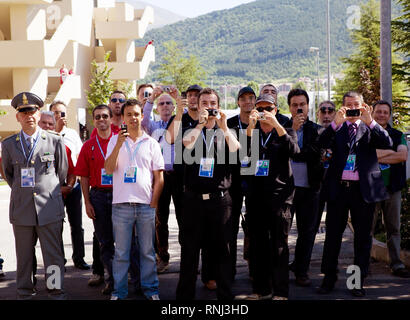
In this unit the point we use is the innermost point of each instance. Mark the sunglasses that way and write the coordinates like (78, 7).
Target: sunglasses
(165, 103)
(261, 109)
(327, 109)
(117, 100)
(99, 116)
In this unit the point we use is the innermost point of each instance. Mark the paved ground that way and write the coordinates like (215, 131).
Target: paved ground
(380, 285)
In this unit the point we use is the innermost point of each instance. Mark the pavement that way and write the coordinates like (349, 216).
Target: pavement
(380, 285)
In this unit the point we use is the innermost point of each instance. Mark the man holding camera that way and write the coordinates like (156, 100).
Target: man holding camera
(270, 196)
(72, 190)
(307, 173)
(163, 95)
(273, 91)
(354, 183)
(206, 211)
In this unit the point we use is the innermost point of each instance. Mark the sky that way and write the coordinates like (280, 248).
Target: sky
(191, 8)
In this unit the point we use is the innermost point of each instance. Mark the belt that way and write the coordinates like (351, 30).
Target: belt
(106, 190)
(349, 183)
(208, 196)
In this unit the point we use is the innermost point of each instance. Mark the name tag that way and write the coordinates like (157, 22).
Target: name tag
(106, 179)
(27, 177)
(262, 168)
(384, 166)
(206, 168)
(350, 163)
(130, 175)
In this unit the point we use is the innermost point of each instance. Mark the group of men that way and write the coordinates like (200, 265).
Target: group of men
(209, 165)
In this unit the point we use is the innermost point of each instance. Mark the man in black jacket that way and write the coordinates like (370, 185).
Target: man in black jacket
(307, 172)
(354, 183)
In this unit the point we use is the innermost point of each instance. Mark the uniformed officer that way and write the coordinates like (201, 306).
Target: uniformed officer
(35, 166)
(206, 206)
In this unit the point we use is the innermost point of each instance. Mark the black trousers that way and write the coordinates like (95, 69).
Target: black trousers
(269, 224)
(306, 207)
(172, 188)
(73, 203)
(205, 224)
(348, 198)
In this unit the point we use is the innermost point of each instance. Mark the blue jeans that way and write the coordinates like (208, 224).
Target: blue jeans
(124, 216)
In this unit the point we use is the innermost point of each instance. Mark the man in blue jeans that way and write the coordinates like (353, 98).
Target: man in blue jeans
(136, 163)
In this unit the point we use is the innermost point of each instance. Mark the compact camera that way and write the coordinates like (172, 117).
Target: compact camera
(62, 114)
(300, 111)
(146, 94)
(212, 112)
(262, 116)
(353, 113)
(166, 88)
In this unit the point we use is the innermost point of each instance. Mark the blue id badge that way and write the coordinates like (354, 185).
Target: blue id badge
(27, 177)
(130, 175)
(262, 168)
(206, 168)
(351, 160)
(106, 179)
(384, 166)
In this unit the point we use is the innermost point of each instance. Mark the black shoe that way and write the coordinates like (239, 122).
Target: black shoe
(359, 293)
(402, 273)
(108, 289)
(303, 281)
(328, 285)
(82, 265)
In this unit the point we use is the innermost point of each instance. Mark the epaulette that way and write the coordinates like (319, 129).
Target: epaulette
(13, 136)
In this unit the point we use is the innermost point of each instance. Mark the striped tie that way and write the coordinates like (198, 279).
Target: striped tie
(352, 133)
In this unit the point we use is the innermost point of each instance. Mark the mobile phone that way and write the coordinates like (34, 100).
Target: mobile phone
(62, 114)
(212, 112)
(353, 113)
(183, 95)
(124, 127)
(300, 111)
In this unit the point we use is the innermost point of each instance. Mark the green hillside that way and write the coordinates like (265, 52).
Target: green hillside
(261, 40)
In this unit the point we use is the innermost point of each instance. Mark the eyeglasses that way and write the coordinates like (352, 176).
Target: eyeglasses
(327, 109)
(261, 109)
(165, 103)
(117, 100)
(99, 116)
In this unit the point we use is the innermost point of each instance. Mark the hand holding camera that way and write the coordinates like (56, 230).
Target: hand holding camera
(203, 117)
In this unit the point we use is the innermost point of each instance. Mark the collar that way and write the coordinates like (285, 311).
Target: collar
(357, 122)
(143, 137)
(26, 136)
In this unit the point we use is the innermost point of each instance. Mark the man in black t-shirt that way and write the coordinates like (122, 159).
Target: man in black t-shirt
(206, 210)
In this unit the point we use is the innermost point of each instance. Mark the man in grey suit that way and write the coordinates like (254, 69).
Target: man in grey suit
(35, 165)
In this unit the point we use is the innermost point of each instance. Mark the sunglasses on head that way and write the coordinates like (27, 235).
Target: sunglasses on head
(99, 116)
(117, 100)
(261, 109)
(165, 103)
(327, 109)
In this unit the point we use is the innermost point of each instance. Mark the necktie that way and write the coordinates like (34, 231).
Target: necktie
(352, 133)
(30, 143)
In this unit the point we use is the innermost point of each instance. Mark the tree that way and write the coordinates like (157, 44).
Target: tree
(179, 70)
(362, 71)
(255, 86)
(101, 85)
(283, 104)
(300, 85)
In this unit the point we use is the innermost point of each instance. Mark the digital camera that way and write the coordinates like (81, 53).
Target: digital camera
(353, 113)
(212, 112)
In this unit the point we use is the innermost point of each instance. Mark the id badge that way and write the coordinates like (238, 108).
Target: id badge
(384, 166)
(130, 175)
(106, 179)
(206, 169)
(351, 160)
(262, 168)
(244, 165)
(27, 177)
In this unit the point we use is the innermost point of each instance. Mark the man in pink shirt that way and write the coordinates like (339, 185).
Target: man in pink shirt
(136, 163)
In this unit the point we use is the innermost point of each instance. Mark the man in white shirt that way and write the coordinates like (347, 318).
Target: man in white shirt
(136, 163)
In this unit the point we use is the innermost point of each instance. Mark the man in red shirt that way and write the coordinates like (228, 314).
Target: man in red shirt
(117, 99)
(98, 200)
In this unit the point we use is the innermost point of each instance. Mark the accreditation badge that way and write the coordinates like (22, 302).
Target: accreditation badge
(262, 168)
(384, 166)
(106, 179)
(27, 177)
(350, 163)
(206, 168)
(130, 175)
